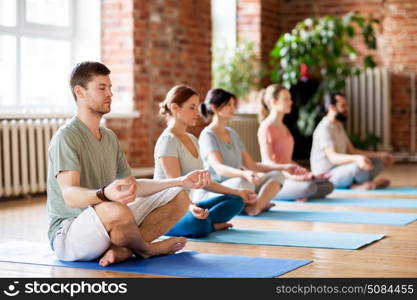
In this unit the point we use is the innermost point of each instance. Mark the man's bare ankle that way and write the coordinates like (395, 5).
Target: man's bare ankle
(144, 253)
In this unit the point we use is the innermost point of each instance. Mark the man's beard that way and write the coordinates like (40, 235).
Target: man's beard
(98, 111)
(341, 117)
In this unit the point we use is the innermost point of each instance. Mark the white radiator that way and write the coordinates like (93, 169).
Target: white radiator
(24, 155)
(246, 125)
(369, 97)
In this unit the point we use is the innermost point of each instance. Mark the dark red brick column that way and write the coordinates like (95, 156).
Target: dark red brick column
(161, 43)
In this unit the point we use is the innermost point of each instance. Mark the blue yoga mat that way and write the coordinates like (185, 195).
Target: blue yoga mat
(183, 264)
(365, 202)
(333, 240)
(395, 191)
(377, 218)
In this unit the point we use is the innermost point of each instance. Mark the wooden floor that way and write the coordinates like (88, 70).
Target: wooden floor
(393, 256)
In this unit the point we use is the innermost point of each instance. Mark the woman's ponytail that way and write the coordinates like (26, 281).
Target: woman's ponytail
(203, 111)
(264, 111)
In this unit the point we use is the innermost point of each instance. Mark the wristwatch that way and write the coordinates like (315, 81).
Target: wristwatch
(100, 194)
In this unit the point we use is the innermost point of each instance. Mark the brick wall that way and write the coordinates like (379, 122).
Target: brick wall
(117, 54)
(249, 21)
(259, 21)
(397, 40)
(271, 26)
(158, 44)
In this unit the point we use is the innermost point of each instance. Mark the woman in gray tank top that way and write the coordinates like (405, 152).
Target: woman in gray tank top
(227, 160)
(177, 153)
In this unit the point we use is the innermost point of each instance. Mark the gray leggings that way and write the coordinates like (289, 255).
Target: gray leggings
(242, 183)
(345, 175)
(294, 189)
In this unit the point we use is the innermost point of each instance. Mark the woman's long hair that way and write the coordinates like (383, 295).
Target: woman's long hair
(265, 97)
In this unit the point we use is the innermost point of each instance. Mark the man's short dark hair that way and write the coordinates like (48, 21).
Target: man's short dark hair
(84, 72)
(330, 99)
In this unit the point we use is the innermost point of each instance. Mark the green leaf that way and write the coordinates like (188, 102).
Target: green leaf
(283, 51)
(350, 31)
(369, 62)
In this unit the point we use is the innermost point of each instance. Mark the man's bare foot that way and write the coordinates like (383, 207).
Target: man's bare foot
(114, 255)
(167, 246)
(302, 199)
(252, 210)
(368, 185)
(382, 183)
(222, 226)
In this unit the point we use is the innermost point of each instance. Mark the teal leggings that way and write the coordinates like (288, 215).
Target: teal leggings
(221, 209)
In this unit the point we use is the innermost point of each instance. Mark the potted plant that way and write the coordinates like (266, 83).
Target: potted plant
(322, 51)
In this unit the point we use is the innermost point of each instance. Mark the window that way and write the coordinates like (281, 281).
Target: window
(224, 23)
(48, 12)
(40, 41)
(8, 69)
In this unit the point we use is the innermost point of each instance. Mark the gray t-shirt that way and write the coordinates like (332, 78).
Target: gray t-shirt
(75, 148)
(326, 135)
(231, 152)
(169, 145)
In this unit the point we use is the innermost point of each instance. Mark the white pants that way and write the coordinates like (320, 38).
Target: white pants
(85, 238)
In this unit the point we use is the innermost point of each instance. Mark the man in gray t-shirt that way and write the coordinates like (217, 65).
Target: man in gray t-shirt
(333, 153)
(96, 208)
